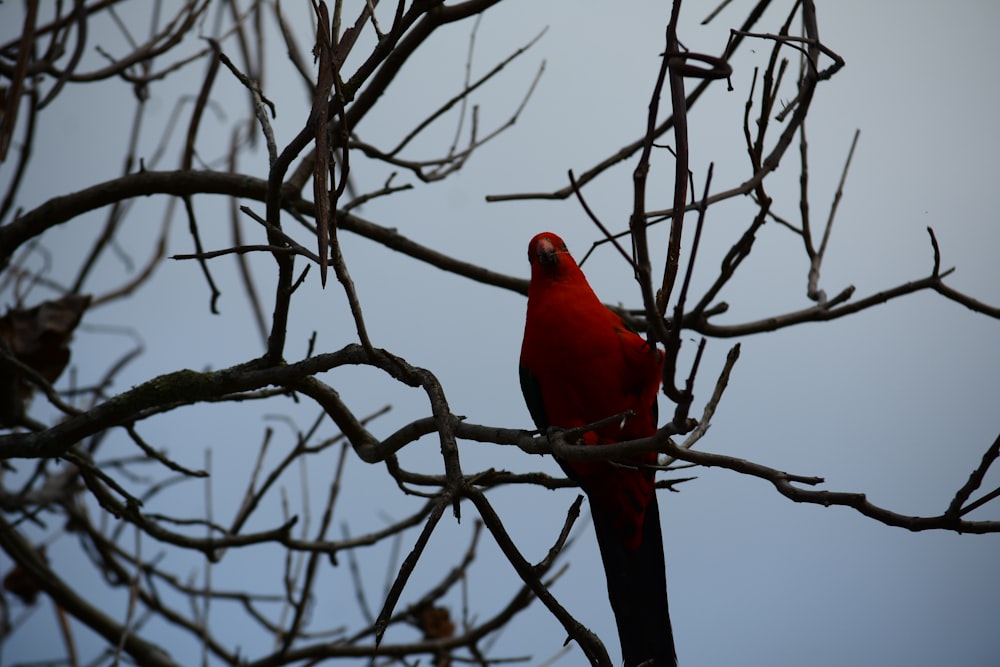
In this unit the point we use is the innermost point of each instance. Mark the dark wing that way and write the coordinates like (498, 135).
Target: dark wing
(532, 392)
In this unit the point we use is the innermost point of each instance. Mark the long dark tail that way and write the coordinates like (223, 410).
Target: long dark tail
(637, 588)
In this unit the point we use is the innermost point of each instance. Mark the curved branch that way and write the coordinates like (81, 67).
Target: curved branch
(62, 209)
(632, 148)
(19, 549)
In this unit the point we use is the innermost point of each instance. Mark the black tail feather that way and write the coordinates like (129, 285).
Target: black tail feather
(637, 588)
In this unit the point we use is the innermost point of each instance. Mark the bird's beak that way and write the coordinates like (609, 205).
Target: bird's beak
(547, 253)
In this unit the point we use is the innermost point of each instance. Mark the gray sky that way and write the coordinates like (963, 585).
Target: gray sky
(898, 402)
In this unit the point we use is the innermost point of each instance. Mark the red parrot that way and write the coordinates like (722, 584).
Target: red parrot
(580, 363)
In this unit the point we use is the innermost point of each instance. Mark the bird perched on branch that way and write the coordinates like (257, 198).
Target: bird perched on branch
(580, 364)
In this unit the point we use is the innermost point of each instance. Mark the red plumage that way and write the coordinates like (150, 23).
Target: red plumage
(580, 364)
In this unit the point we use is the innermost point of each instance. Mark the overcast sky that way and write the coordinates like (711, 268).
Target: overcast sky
(898, 402)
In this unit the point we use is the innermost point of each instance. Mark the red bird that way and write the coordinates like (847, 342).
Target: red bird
(580, 364)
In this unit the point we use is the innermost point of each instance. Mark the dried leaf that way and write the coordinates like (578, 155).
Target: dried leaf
(436, 623)
(321, 102)
(39, 338)
(22, 583)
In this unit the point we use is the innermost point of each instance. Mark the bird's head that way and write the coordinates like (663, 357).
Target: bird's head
(548, 252)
